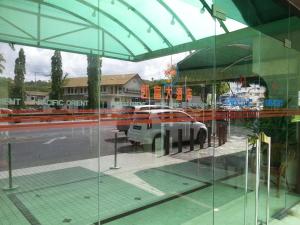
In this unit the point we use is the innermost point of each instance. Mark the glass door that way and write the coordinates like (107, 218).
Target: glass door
(256, 90)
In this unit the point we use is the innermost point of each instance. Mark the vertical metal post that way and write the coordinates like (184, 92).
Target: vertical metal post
(191, 139)
(10, 179)
(202, 141)
(209, 131)
(257, 179)
(167, 142)
(246, 182)
(268, 181)
(115, 166)
(228, 128)
(219, 133)
(10, 184)
(179, 140)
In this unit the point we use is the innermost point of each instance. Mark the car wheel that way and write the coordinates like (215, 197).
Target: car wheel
(201, 137)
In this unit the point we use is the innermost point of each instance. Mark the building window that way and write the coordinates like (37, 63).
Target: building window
(117, 99)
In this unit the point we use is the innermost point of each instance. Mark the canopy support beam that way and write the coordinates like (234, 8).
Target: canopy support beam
(17, 27)
(178, 19)
(147, 21)
(116, 21)
(87, 21)
(70, 32)
(206, 6)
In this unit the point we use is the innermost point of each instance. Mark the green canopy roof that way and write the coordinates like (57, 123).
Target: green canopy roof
(131, 30)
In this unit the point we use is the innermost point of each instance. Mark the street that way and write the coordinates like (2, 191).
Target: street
(42, 147)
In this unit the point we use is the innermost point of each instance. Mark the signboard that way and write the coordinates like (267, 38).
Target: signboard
(275, 103)
(179, 94)
(189, 94)
(157, 92)
(168, 92)
(145, 92)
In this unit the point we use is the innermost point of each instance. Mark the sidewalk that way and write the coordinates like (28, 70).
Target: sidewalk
(161, 190)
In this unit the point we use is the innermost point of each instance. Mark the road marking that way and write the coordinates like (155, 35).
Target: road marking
(54, 139)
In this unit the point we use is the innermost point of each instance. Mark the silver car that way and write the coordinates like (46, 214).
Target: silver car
(148, 125)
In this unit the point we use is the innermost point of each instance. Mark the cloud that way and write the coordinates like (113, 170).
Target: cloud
(38, 62)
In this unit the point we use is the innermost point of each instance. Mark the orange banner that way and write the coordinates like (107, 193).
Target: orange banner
(168, 92)
(179, 94)
(145, 92)
(157, 92)
(189, 94)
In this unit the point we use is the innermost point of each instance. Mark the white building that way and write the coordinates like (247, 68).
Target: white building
(32, 98)
(115, 89)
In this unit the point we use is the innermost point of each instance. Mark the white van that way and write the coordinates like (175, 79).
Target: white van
(148, 125)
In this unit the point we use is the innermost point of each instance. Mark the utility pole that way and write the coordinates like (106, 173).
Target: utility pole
(40, 73)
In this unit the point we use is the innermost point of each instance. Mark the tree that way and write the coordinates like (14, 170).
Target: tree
(20, 71)
(56, 77)
(222, 88)
(1, 65)
(93, 72)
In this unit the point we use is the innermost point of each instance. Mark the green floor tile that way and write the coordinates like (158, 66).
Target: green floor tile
(77, 196)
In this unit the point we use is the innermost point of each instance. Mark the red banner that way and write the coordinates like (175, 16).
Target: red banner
(157, 92)
(179, 94)
(189, 94)
(145, 92)
(168, 92)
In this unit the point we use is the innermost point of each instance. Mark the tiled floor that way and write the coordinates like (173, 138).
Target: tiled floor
(292, 218)
(184, 196)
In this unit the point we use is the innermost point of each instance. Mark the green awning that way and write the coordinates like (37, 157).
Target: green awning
(131, 30)
(258, 12)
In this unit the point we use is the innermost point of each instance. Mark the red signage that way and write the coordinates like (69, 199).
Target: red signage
(179, 94)
(189, 94)
(145, 92)
(157, 92)
(168, 92)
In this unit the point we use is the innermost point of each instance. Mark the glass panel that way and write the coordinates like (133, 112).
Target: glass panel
(154, 165)
(49, 144)
(234, 84)
(268, 78)
(293, 151)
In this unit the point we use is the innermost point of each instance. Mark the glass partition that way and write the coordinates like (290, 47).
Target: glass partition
(205, 131)
(259, 72)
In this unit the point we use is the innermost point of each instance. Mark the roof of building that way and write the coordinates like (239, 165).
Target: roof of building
(37, 93)
(119, 79)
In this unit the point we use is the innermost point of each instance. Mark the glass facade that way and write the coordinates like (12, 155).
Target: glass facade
(212, 138)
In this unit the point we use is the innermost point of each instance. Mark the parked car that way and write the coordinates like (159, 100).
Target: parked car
(125, 115)
(148, 125)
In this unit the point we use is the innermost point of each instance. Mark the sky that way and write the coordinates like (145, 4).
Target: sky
(38, 62)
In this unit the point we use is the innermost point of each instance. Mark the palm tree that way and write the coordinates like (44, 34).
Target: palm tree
(1, 65)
